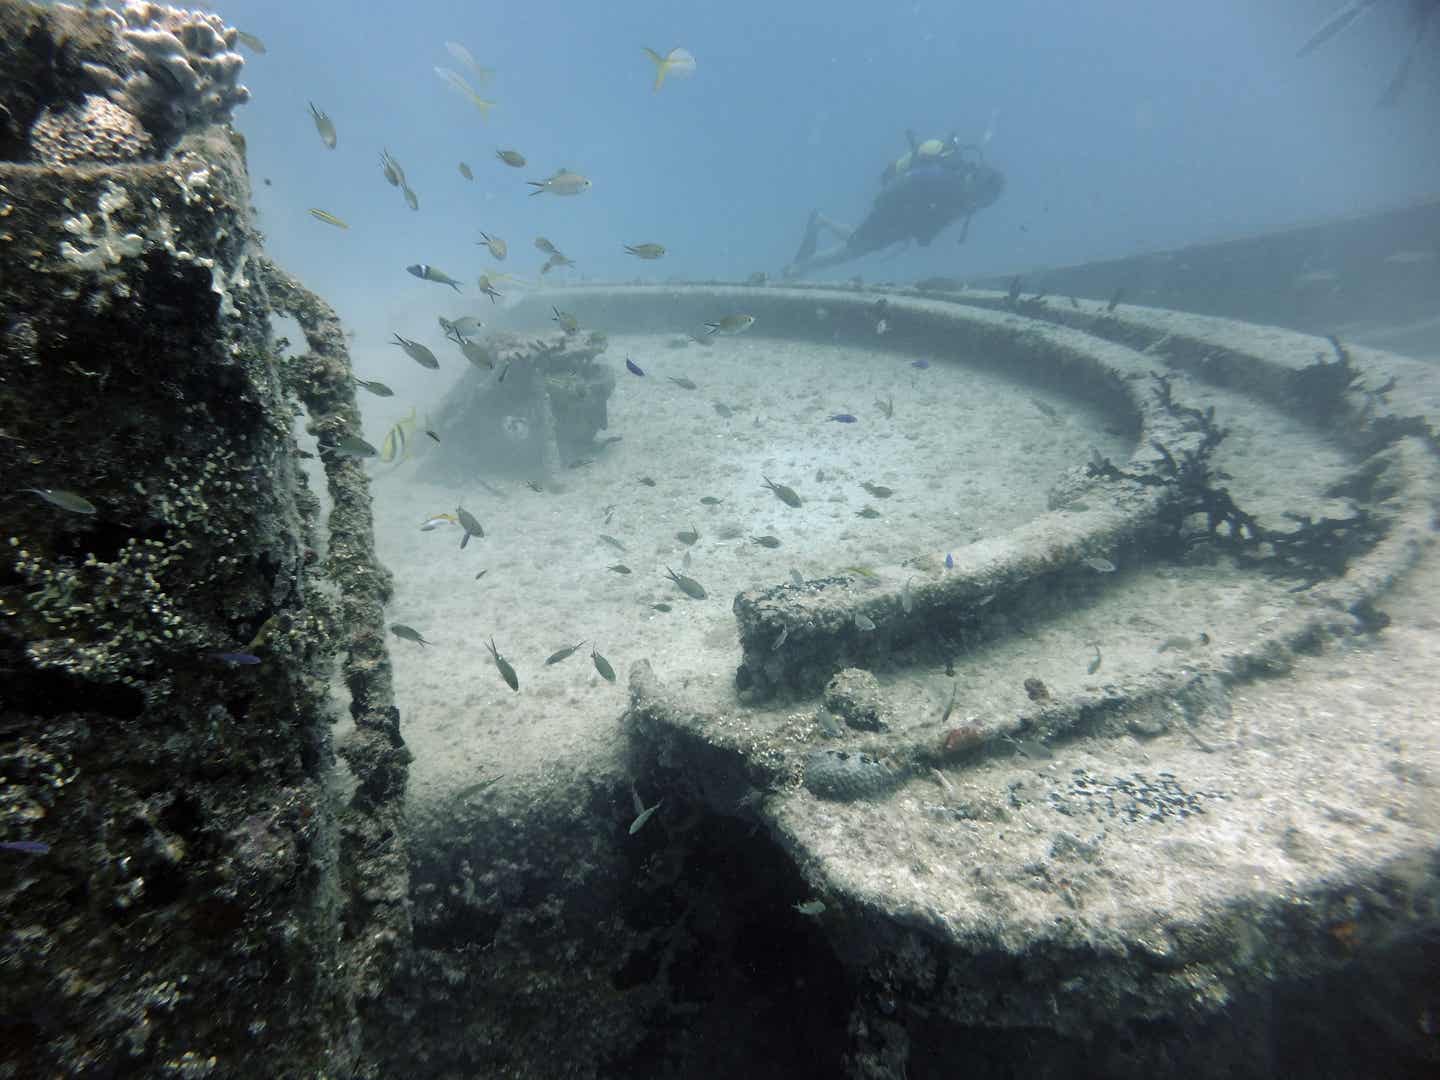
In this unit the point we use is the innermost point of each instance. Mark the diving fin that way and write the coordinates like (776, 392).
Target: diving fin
(810, 240)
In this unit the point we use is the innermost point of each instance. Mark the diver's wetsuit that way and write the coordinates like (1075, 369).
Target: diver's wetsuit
(917, 206)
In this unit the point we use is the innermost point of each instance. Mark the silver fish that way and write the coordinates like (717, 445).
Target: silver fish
(64, 500)
(324, 125)
(417, 352)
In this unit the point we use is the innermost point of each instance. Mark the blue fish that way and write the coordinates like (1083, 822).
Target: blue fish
(843, 418)
(29, 847)
(949, 561)
(632, 367)
(236, 659)
(921, 364)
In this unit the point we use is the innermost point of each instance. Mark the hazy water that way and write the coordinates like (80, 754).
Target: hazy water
(1120, 126)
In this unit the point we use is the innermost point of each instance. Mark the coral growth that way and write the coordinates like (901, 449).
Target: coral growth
(96, 130)
(137, 81)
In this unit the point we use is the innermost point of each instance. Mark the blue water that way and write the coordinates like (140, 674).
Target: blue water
(1121, 126)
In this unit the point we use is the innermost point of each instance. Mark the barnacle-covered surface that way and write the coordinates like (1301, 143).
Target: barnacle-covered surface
(195, 900)
(110, 85)
(1081, 803)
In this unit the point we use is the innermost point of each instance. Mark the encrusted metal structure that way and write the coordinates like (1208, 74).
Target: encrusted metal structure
(193, 880)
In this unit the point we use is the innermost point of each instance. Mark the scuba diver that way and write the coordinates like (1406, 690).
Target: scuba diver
(939, 181)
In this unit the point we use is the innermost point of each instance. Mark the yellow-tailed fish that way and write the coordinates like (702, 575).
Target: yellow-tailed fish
(457, 83)
(324, 125)
(482, 74)
(327, 217)
(677, 62)
(555, 260)
(563, 182)
(435, 521)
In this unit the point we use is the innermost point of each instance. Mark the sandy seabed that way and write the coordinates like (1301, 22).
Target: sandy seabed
(968, 454)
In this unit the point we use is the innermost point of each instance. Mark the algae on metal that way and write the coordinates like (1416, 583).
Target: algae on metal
(202, 891)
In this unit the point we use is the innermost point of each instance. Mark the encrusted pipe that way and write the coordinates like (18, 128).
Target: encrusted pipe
(373, 851)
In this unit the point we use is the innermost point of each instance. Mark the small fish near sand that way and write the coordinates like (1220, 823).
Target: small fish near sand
(503, 666)
(436, 521)
(64, 500)
(643, 813)
(567, 322)
(730, 325)
(843, 418)
(563, 654)
(408, 633)
(766, 541)
(688, 536)
(327, 217)
(602, 665)
(563, 182)
(417, 352)
(688, 585)
(683, 383)
(633, 367)
(324, 125)
(426, 272)
(880, 491)
(513, 158)
(470, 524)
(782, 492)
(645, 251)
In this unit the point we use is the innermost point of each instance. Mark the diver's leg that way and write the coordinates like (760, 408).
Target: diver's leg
(806, 251)
(807, 259)
(839, 229)
(823, 260)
